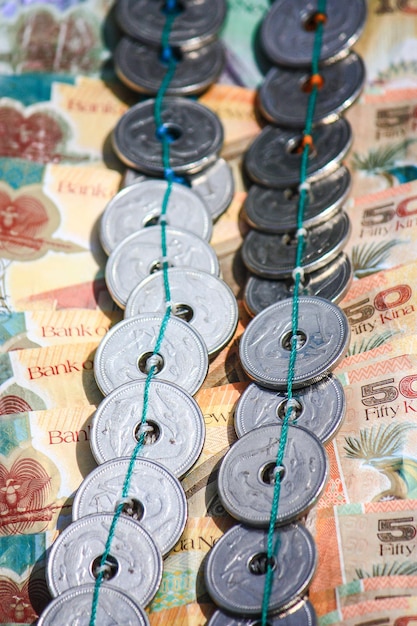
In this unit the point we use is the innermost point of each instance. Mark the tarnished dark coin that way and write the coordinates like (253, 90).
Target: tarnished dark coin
(301, 614)
(274, 256)
(141, 68)
(195, 134)
(275, 210)
(246, 475)
(236, 566)
(283, 97)
(196, 23)
(322, 340)
(331, 282)
(274, 159)
(288, 40)
(320, 408)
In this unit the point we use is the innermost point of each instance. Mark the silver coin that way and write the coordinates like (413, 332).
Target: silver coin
(136, 561)
(331, 282)
(195, 132)
(139, 255)
(323, 338)
(288, 42)
(157, 498)
(141, 68)
(74, 607)
(300, 615)
(203, 300)
(245, 486)
(196, 23)
(175, 426)
(274, 256)
(283, 101)
(140, 205)
(235, 567)
(275, 210)
(123, 354)
(272, 159)
(320, 408)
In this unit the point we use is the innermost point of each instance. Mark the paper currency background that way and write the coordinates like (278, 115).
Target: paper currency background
(59, 100)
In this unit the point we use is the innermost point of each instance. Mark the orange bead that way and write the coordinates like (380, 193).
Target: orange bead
(320, 18)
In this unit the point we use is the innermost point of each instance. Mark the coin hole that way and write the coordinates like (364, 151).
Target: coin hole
(110, 568)
(258, 564)
(183, 311)
(134, 508)
(282, 409)
(170, 53)
(312, 20)
(269, 471)
(168, 131)
(317, 80)
(154, 220)
(289, 239)
(151, 430)
(296, 146)
(157, 266)
(148, 359)
(258, 623)
(172, 7)
(300, 338)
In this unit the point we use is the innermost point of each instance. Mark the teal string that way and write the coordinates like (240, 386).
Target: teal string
(273, 547)
(169, 175)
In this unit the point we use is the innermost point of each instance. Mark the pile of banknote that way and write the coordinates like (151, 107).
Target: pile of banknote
(59, 101)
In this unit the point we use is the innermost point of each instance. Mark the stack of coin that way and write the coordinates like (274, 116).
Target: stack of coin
(203, 318)
(236, 566)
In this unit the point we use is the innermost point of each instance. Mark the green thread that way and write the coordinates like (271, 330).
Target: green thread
(164, 249)
(273, 548)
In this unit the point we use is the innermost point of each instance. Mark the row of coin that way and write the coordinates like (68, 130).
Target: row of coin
(155, 511)
(236, 566)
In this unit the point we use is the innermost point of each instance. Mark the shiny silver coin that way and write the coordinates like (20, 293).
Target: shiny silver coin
(141, 68)
(287, 40)
(275, 210)
(156, 498)
(195, 134)
(174, 432)
(331, 282)
(134, 563)
(74, 607)
(125, 354)
(273, 160)
(246, 483)
(301, 614)
(236, 566)
(139, 206)
(322, 340)
(283, 101)
(203, 300)
(320, 408)
(196, 23)
(139, 255)
(274, 256)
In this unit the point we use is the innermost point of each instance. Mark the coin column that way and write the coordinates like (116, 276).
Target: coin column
(148, 430)
(276, 471)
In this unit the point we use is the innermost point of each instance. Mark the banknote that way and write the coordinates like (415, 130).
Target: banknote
(388, 612)
(190, 614)
(36, 329)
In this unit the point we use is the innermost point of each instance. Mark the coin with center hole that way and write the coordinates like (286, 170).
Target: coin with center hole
(246, 483)
(143, 69)
(74, 607)
(331, 282)
(196, 22)
(320, 408)
(274, 158)
(140, 205)
(134, 563)
(157, 499)
(140, 254)
(287, 32)
(206, 302)
(322, 340)
(275, 210)
(124, 354)
(301, 614)
(194, 134)
(174, 432)
(236, 566)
